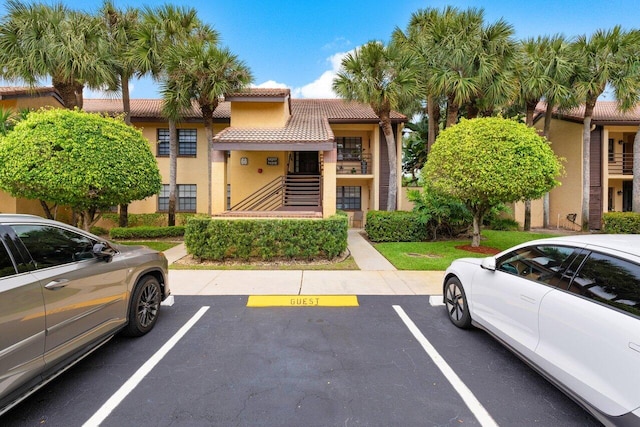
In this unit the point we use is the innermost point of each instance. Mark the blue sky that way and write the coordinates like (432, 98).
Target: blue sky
(299, 43)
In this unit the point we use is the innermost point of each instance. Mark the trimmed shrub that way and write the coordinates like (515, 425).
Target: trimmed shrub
(442, 214)
(146, 232)
(504, 224)
(621, 223)
(398, 226)
(219, 239)
(149, 220)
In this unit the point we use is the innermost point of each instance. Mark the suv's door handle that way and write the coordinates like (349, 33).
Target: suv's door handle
(57, 284)
(634, 346)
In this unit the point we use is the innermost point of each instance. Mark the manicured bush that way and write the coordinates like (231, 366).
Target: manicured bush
(147, 220)
(442, 214)
(146, 232)
(99, 231)
(219, 239)
(621, 223)
(398, 226)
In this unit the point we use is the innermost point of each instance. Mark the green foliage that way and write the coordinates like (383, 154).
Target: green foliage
(491, 160)
(621, 223)
(398, 226)
(442, 213)
(504, 224)
(149, 219)
(146, 232)
(438, 255)
(77, 159)
(99, 231)
(217, 239)
(488, 161)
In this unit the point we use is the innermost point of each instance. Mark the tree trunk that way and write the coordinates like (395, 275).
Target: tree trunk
(387, 129)
(123, 218)
(431, 137)
(207, 116)
(546, 214)
(452, 112)
(47, 210)
(477, 220)
(586, 167)
(173, 167)
(635, 200)
(530, 109)
(67, 93)
(126, 98)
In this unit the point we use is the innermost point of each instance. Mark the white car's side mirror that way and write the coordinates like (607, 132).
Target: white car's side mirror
(489, 263)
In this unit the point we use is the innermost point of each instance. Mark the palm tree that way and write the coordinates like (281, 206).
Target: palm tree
(600, 59)
(200, 71)
(383, 77)
(120, 27)
(543, 69)
(162, 29)
(39, 41)
(626, 81)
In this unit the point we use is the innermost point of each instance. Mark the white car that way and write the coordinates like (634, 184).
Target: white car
(570, 307)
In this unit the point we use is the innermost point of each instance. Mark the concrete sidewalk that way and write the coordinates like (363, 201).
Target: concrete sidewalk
(377, 276)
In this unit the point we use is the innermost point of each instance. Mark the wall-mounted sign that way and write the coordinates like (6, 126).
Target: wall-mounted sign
(272, 161)
(244, 161)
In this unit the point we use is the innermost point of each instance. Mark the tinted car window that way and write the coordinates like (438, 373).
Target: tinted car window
(50, 246)
(544, 263)
(6, 264)
(609, 280)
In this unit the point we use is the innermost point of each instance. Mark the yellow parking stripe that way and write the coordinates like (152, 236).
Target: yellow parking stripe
(302, 301)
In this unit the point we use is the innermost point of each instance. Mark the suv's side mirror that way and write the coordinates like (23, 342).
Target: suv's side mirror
(103, 251)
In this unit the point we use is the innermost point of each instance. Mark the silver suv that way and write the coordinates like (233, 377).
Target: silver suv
(65, 292)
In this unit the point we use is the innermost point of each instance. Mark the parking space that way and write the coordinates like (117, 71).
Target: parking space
(312, 366)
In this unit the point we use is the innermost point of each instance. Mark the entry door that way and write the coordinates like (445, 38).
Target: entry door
(627, 196)
(306, 162)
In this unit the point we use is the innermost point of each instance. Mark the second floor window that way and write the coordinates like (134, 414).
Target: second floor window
(187, 142)
(349, 147)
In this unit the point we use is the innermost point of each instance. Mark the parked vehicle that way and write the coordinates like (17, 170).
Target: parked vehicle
(63, 293)
(570, 307)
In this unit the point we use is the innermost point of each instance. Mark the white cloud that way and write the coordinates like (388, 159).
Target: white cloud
(270, 84)
(321, 87)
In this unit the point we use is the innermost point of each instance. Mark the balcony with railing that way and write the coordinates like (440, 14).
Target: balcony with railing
(354, 164)
(620, 163)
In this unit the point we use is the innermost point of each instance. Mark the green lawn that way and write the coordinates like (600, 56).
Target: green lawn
(157, 245)
(438, 255)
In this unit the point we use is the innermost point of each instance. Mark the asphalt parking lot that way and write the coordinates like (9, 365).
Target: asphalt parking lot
(295, 366)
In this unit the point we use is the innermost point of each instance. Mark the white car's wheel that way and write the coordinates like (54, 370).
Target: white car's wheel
(456, 303)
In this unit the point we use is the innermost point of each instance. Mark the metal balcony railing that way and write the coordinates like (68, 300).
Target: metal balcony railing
(354, 164)
(621, 164)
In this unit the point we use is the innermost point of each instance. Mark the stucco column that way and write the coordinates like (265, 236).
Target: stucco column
(218, 181)
(329, 183)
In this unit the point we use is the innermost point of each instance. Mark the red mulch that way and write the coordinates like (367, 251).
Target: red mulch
(479, 250)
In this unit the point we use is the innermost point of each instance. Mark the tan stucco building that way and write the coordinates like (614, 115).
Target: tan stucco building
(271, 155)
(611, 173)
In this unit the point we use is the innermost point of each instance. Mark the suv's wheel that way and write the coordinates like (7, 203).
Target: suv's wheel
(144, 307)
(456, 302)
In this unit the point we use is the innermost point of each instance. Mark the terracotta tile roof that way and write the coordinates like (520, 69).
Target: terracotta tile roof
(25, 90)
(605, 112)
(309, 122)
(306, 124)
(149, 109)
(335, 110)
(261, 92)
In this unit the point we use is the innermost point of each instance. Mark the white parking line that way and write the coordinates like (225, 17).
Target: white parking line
(469, 399)
(139, 375)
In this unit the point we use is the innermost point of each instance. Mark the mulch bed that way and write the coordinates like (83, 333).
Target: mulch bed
(479, 250)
